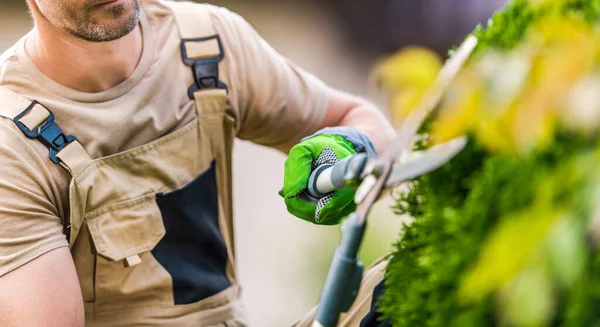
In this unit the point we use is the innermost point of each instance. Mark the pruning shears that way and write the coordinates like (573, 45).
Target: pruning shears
(376, 175)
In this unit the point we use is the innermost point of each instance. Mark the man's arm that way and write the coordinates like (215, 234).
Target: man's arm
(44, 292)
(351, 111)
(275, 102)
(38, 282)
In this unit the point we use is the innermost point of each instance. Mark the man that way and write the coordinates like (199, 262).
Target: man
(118, 212)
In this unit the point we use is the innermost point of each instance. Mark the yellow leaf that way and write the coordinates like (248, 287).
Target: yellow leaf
(411, 67)
(403, 102)
(459, 109)
(507, 251)
(528, 300)
(407, 75)
(535, 122)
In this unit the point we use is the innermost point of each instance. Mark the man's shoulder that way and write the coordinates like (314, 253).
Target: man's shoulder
(8, 56)
(13, 141)
(222, 19)
(165, 7)
(24, 159)
(194, 6)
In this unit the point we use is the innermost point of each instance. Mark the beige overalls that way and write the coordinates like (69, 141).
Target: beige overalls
(150, 229)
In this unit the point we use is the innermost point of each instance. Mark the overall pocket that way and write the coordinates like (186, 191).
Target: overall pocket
(126, 274)
(126, 229)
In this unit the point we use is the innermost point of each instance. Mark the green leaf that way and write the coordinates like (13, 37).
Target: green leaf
(507, 251)
(528, 301)
(567, 251)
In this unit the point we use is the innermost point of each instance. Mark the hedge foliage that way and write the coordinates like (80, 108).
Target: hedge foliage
(506, 234)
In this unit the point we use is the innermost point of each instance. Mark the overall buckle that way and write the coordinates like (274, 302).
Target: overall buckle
(206, 70)
(48, 132)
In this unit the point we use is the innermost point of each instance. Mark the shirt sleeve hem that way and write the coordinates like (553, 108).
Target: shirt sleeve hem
(33, 255)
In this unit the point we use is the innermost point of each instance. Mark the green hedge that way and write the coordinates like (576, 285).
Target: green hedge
(534, 207)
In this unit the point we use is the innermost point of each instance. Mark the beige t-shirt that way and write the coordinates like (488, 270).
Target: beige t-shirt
(274, 103)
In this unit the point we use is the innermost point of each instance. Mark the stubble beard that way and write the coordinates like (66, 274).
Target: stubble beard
(84, 25)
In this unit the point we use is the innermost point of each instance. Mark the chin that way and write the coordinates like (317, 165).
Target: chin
(109, 21)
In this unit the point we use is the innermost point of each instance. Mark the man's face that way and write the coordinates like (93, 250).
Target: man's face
(92, 20)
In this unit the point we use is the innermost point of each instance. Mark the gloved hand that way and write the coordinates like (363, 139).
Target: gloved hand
(329, 145)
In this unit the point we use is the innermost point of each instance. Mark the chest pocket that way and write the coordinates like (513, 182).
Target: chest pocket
(126, 229)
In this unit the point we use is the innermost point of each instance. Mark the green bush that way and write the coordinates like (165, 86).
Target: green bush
(504, 238)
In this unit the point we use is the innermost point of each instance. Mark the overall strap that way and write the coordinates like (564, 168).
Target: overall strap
(202, 50)
(37, 122)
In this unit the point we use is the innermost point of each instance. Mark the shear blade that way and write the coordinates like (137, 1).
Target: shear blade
(422, 162)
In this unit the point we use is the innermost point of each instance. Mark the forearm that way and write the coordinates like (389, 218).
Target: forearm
(369, 120)
(351, 111)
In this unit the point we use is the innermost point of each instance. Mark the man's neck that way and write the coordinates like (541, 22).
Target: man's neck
(81, 65)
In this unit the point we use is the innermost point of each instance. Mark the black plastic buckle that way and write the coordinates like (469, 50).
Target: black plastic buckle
(48, 132)
(206, 71)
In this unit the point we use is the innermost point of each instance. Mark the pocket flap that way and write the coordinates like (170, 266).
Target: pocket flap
(126, 229)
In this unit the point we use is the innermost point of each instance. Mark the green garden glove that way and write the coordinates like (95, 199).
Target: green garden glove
(329, 145)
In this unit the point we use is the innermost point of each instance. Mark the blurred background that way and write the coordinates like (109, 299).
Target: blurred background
(282, 261)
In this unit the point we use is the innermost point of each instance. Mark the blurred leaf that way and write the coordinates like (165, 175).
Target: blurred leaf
(407, 75)
(403, 102)
(527, 301)
(494, 130)
(582, 110)
(458, 109)
(507, 251)
(410, 67)
(567, 252)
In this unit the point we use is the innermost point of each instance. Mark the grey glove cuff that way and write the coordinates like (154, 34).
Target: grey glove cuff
(359, 140)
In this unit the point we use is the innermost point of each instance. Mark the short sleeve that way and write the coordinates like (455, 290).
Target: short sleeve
(276, 102)
(29, 221)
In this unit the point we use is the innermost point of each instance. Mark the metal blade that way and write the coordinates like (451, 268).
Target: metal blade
(372, 187)
(422, 162)
(414, 120)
